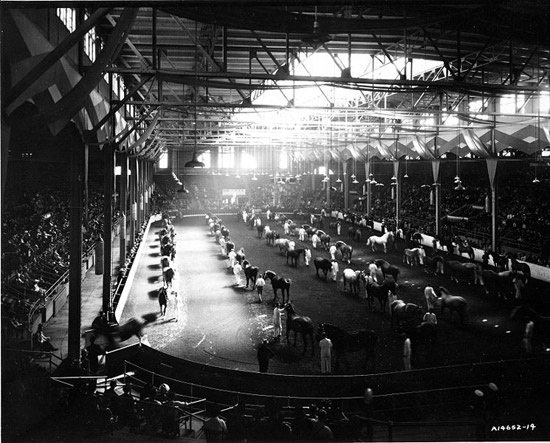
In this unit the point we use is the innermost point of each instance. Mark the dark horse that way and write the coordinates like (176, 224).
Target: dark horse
(114, 334)
(343, 341)
(163, 299)
(322, 263)
(251, 273)
(453, 303)
(380, 291)
(277, 282)
(520, 267)
(345, 250)
(294, 256)
(299, 325)
(406, 314)
(387, 268)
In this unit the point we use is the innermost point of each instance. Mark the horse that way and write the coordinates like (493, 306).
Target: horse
(260, 230)
(322, 263)
(415, 255)
(164, 262)
(520, 267)
(453, 303)
(416, 238)
(355, 341)
(387, 269)
(464, 248)
(324, 238)
(282, 243)
(381, 291)
(225, 232)
(168, 276)
(294, 256)
(500, 283)
(163, 300)
(277, 282)
(466, 271)
(353, 278)
(435, 262)
(383, 240)
(168, 250)
(499, 260)
(299, 325)
(251, 273)
(114, 334)
(408, 314)
(345, 250)
(270, 237)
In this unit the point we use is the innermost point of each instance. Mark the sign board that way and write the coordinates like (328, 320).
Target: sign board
(232, 192)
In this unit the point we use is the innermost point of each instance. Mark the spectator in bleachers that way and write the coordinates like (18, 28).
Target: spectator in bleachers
(41, 341)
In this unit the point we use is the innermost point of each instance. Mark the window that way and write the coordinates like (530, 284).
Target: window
(163, 160)
(68, 17)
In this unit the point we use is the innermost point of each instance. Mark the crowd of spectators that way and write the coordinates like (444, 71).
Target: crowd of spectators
(36, 247)
(159, 411)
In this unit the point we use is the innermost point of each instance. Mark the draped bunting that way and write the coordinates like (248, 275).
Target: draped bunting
(145, 135)
(58, 113)
(57, 82)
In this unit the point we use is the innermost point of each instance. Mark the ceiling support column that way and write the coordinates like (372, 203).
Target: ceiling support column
(75, 265)
(492, 164)
(108, 179)
(437, 191)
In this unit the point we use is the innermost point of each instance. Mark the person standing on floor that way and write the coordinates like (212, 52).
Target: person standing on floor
(277, 321)
(264, 355)
(334, 270)
(307, 256)
(407, 354)
(314, 240)
(237, 270)
(260, 283)
(326, 346)
(302, 234)
(528, 337)
(332, 251)
(176, 305)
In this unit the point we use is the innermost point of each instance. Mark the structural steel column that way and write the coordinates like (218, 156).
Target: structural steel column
(75, 265)
(133, 206)
(367, 175)
(123, 205)
(346, 186)
(492, 164)
(108, 179)
(435, 173)
(397, 192)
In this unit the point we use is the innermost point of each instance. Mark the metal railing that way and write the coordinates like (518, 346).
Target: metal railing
(46, 359)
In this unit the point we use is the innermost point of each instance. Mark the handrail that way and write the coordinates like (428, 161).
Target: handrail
(50, 355)
(287, 397)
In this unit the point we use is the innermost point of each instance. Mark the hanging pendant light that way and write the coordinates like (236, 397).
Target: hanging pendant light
(194, 162)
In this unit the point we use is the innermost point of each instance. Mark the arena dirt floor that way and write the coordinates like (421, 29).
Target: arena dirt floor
(221, 324)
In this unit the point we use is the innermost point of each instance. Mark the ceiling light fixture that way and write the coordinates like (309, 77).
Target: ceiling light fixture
(195, 162)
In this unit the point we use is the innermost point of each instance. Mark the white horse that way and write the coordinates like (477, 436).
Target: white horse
(375, 274)
(414, 256)
(375, 241)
